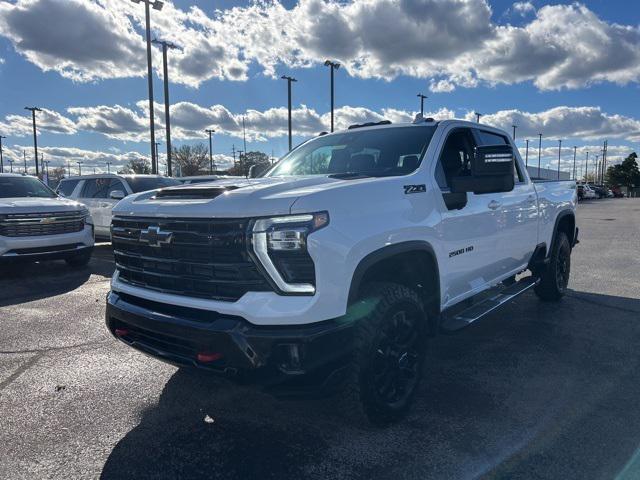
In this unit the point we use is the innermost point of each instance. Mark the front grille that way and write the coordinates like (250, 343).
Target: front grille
(35, 224)
(202, 258)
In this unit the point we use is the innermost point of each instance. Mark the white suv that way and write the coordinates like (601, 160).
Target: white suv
(37, 224)
(101, 192)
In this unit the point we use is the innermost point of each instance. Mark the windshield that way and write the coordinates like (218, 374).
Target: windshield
(142, 184)
(11, 187)
(376, 152)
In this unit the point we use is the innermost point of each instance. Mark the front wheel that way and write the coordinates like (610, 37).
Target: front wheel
(389, 350)
(555, 277)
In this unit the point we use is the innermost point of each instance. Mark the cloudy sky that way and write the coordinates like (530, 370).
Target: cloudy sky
(568, 70)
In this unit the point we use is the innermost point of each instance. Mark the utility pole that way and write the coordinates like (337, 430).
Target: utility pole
(79, 168)
(1, 160)
(244, 135)
(559, 153)
(586, 167)
(289, 80)
(478, 115)
(24, 156)
(157, 5)
(167, 120)
(526, 154)
(514, 132)
(334, 66)
(35, 135)
(158, 156)
(422, 97)
(539, 152)
(210, 131)
(575, 150)
(233, 152)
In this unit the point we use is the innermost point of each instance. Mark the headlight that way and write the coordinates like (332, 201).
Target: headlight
(280, 245)
(84, 211)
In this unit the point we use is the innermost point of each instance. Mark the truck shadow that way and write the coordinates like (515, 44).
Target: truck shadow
(25, 282)
(537, 390)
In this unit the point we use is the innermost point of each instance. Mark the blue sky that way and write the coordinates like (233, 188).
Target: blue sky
(515, 62)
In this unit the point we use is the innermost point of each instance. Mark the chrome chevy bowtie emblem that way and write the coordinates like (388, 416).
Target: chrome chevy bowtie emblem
(155, 237)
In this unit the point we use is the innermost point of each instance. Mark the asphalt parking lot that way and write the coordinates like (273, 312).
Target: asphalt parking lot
(533, 391)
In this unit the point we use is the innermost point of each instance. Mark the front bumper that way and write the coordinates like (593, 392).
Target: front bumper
(302, 356)
(46, 247)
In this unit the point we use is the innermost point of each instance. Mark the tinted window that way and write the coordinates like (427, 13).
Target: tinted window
(95, 188)
(377, 152)
(66, 186)
(24, 187)
(142, 184)
(115, 185)
(455, 157)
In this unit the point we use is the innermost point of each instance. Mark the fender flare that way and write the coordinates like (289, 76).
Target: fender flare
(386, 252)
(560, 216)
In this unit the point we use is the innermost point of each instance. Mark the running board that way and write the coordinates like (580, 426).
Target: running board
(476, 312)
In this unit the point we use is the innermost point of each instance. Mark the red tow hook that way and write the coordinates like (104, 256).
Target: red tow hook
(121, 332)
(207, 357)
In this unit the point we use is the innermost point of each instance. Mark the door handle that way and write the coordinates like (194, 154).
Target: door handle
(494, 205)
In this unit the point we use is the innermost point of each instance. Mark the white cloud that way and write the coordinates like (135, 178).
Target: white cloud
(451, 43)
(46, 120)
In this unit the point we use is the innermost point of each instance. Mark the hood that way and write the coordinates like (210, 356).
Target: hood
(231, 198)
(37, 205)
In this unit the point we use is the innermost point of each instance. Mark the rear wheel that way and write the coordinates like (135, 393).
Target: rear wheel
(387, 363)
(555, 277)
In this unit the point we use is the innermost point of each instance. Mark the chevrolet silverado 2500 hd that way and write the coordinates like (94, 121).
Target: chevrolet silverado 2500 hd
(337, 264)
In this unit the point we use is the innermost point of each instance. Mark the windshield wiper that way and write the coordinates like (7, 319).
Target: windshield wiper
(349, 175)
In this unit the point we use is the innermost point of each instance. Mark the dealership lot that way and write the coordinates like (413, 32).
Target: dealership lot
(533, 391)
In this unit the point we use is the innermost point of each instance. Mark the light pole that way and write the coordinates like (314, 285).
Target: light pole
(24, 156)
(559, 153)
(157, 5)
(575, 150)
(478, 115)
(108, 167)
(167, 121)
(244, 135)
(10, 165)
(35, 136)
(334, 66)
(79, 168)
(1, 160)
(422, 97)
(46, 167)
(526, 154)
(210, 131)
(586, 167)
(514, 132)
(539, 152)
(289, 80)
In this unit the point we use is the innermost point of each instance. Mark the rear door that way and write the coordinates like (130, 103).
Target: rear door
(516, 214)
(469, 229)
(94, 196)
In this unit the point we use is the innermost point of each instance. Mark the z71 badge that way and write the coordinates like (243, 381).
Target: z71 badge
(414, 189)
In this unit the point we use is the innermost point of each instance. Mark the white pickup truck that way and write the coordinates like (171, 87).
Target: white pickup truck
(335, 267)
(37, 224)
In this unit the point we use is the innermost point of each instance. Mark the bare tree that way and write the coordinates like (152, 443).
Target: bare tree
(192, 159)
(136, 165)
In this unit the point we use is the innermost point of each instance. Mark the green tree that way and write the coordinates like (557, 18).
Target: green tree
(192, 159)
(626, 173)
(247, 161)
(136, 165)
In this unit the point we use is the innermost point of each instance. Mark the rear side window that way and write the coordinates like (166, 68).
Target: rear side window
(95, 188)
(66, 187)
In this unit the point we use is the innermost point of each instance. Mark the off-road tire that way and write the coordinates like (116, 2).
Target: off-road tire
(386, 305)
(555, 276)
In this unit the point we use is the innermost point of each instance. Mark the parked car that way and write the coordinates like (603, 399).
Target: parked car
(37, 224)
(101, 192)
(587, 192)
(336, 266)
(599, 190)
(204, 178)
(617, 192)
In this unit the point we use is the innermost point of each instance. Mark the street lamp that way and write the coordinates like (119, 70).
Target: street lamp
(575, 150)
(35, 136)
(157, 5)
(526, 154)
(514, 132)
(334, 66)
(478, 115)
(108, 167)
(422, 97)
(539, 152)
(559, 153)
(79, 168)
(289, 80)
(167, 121)
(1, 160)
(210, 131)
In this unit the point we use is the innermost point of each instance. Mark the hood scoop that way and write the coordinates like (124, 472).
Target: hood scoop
(193, 192)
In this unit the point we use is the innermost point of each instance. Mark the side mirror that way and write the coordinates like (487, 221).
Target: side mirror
(258, 169)
(116, 195)
(492, 171)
